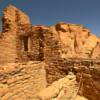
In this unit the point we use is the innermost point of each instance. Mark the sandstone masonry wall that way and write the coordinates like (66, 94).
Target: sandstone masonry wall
(62, 47)
(52, 54)
(88, 75)
(22, 80)
(46, 46)
(9, 41)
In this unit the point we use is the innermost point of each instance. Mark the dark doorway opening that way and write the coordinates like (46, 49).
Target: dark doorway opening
(25, 40)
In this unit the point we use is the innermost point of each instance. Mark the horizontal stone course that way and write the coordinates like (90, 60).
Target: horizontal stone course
(24, 78)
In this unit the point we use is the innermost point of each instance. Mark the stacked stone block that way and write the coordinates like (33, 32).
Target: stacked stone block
(22, 81)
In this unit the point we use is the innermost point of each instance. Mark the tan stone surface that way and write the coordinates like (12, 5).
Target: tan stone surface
(88, 72)
(96, 51)
(72, 40)
(3, 89)
(76, 41)
(9, 41)
(80, 98)
(32, 57)
(64, 89)
(24, 81)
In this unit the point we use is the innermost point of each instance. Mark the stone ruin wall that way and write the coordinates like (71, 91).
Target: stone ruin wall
(9, 38)
(27, 42)
(50, 52)
(48, 49)
(88, 76)
(22, 80)
(39, 46)
(18, 79)
(20, 41)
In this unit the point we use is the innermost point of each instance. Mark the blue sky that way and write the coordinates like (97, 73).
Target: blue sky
(49, 12)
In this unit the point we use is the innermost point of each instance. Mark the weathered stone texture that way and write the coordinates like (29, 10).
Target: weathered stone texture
(88, 74)
(63, 47)
(9, 41)
(22, 80)
(63, 89)
(96, 51)
(76, 41)
(25, 42)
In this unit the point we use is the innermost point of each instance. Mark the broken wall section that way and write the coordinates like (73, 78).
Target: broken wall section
(52, 56)
(9, 41)
(88, 76)
(45, 46)
(22, 80)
